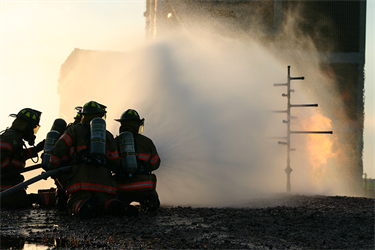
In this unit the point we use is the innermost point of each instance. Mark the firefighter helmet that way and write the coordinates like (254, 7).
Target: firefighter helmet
(102, 106)
(32, 119)
(132, 115)
(78, 115)
(129, 115)
(93, 107)
(30, 115)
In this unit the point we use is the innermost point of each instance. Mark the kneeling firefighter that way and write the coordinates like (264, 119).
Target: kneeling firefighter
(54, 196)
(90, 187)
(62, 179)
(14, 154)
(139, 157)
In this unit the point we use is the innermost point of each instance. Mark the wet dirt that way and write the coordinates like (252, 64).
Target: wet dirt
(288, 222)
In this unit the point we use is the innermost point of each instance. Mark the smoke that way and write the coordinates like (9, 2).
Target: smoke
(206, 100)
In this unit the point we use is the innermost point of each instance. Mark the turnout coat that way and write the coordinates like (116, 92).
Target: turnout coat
(72, 146)
(13, 158)
(148, 160)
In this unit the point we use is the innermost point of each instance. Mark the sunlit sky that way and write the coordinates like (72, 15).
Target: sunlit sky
(38, 36)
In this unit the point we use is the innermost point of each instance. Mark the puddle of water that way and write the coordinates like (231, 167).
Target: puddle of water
(7, 242)
(20, 243)
(34, 247)
(12, 243)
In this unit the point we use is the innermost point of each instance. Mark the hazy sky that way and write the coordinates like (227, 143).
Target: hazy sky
(38, 36)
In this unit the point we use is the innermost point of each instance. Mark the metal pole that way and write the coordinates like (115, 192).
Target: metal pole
(288, 169)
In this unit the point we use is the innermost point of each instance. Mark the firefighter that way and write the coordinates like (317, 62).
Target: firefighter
(137, 184)
(57, 196)
(90, 187)
(61, 180)
(14, 154)
(53, 196)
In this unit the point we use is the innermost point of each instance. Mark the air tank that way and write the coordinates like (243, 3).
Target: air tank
(59, 125)
(51, 139)
(127, 152)
(98, 137)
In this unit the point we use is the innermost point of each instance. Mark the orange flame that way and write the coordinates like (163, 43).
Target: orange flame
(319, 145)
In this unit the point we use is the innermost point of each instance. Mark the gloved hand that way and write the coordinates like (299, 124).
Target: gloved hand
(52, 166)
(56, 175)
(40, 146)
(44, 163)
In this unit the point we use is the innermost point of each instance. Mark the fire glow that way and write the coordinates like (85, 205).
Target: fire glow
(319, 146)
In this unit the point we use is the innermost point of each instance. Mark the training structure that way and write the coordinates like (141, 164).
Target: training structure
(289, 91)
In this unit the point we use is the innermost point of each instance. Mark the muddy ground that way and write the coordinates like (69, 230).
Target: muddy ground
(288, 222)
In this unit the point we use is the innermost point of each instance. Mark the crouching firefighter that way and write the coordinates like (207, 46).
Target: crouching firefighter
(14, 154)
(54, 196)
(139, 157)
(90, 187)
(58, 128)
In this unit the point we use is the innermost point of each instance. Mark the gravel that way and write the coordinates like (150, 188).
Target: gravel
(286, 222)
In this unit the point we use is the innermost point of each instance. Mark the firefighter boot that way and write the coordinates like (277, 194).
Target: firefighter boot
(86, 208)
(61, 199)
(131, 211)
(153, 203)
(35, 199)
(115, 207)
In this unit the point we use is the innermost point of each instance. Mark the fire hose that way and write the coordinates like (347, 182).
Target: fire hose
(24, 170)
(24, 184)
